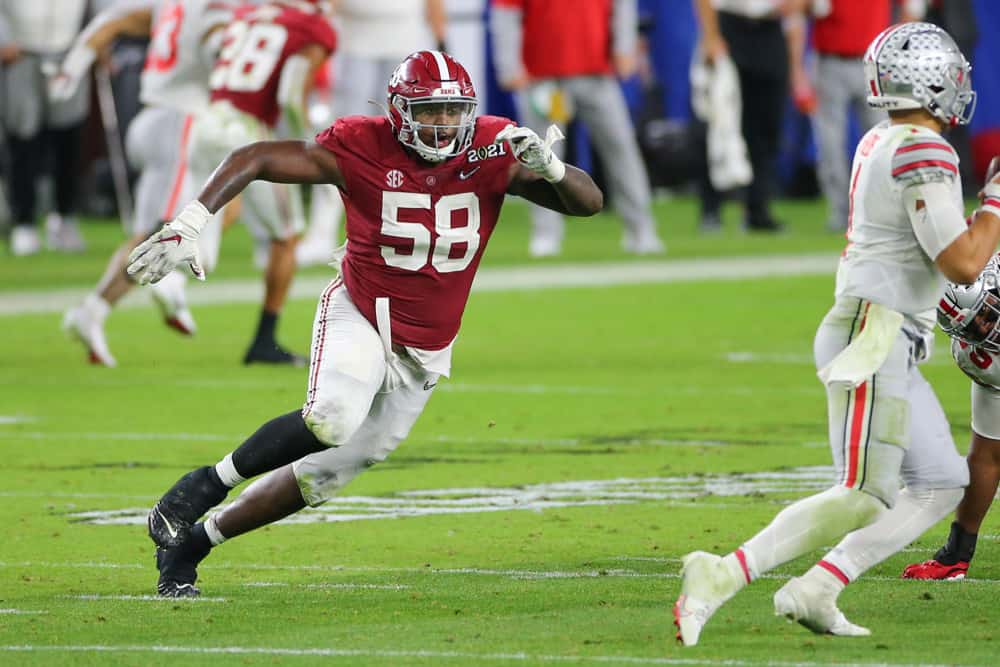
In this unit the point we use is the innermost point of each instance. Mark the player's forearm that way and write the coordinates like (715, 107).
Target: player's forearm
(132, 19)
(240, 168)
(578, 193)
(963, 260)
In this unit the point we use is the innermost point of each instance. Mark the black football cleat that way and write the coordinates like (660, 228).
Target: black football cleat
(272, 353)
(188, 499)
(178, 567)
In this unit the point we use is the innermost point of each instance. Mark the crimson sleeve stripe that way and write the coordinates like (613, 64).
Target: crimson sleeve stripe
(991, 201)
(928, 145)
(925, 163)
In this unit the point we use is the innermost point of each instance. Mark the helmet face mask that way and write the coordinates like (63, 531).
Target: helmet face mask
(971, 313)
(432, 105)
(919, 66)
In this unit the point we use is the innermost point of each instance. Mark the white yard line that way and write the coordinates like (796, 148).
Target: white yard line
(510, 278)
(468, 658)
(392, 572)
(142, 598)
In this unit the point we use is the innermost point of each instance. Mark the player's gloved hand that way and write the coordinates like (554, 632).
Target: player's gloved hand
(64, 80)
(530, 150)
(989, 196)
(175, 244)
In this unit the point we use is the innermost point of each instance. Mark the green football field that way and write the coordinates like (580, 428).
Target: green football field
(616, 415)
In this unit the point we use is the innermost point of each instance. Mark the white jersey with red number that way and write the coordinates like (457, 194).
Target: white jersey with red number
(885, 261)
(981, 366)
(178, 63)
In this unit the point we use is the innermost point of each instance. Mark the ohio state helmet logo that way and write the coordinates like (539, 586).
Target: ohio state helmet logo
(394, 178)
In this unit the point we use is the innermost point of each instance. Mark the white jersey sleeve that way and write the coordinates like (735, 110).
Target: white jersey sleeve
(936, 217)
(924, 157)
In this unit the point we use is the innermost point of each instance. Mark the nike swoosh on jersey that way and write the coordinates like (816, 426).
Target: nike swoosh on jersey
(428, 386)
(462, 175)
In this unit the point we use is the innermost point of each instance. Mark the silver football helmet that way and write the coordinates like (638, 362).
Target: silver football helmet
(971, 313)
(918, 65)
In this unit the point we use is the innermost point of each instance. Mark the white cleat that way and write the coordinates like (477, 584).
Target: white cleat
(169, 296)
(545, 246)
(80, 324)
(814, 607)
(706, 584)
(63, 234)
(643, 244)
(24, 241)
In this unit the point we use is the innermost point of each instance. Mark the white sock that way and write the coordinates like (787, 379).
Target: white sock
(914, 513)
(227, 472)
(809, 524)
(97, 307)
(215, 536)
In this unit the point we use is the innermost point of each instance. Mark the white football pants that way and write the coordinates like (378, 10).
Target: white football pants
(891, 427)
(362, 398)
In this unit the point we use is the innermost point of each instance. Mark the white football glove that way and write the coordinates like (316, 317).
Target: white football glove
(535, 154)
(175, 244)
(65, 79)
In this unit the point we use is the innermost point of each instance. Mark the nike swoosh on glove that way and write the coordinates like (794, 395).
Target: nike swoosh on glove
(530, 150)
(175, 244)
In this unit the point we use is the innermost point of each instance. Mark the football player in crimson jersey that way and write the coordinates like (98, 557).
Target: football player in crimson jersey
(422, 189)
(269, 55)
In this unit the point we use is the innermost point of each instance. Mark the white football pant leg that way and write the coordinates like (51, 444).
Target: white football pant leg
(154, 145)
(347, 367)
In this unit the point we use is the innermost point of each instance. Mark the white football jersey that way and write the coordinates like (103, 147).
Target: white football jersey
(178, 63)
(884, 260)
(981, 366)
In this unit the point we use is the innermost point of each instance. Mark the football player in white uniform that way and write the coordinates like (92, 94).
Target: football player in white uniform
(906, 235)
(970, 314)
(185, 37)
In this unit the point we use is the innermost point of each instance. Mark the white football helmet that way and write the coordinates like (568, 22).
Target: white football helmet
(971, 313)
(918, 65)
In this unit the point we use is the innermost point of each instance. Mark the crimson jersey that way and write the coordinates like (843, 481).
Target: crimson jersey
(416, 231)
(255, 47)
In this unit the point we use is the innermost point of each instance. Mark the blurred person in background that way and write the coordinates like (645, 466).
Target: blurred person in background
(41, 133)
(562, 57)
(375, 35)
(753, 34)
(269, 58)
(841, 32)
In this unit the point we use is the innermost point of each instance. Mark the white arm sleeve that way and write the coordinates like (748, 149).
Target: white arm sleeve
(939, 222)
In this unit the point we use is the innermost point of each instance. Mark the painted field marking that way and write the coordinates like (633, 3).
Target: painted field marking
(142, 598)
(534, 497)
(21, 612)
(517, 574)
(366, 587)
(476, 658)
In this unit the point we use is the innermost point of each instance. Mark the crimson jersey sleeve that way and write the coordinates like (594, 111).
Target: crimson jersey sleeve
(416, 231)
(256, 46)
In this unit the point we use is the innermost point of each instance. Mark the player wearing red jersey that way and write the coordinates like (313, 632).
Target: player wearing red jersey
(422, 190)
(268, 57)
